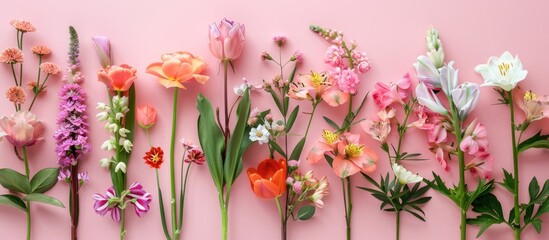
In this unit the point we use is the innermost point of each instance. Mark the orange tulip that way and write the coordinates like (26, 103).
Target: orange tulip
(178, 68)
(269, 179)
(118, 78)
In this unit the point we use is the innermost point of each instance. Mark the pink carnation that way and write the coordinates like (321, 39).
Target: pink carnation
(348, 81)
(334, 56)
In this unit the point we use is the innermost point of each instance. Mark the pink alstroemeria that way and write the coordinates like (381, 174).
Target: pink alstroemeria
(475, 139)
(481, 165)
(379, 129)
(534, 107)
(102, 205)
(327, 143)
(226, 39)
(316, 87)
(439, 156)
(437, 133)
(385, 95)
(21, 129)
(353, 157)
(140, 198)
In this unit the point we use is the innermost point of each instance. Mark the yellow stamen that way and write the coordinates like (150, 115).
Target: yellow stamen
(317, 79)
(154, 158)
(529, 96)
(329, 137)
(353, 150)
(504, 68)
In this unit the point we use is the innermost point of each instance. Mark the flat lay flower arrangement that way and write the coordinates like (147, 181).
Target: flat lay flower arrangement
(429, 98)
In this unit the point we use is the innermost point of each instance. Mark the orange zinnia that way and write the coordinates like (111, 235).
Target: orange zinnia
(154, 157)
(269, 179)
(178, 68)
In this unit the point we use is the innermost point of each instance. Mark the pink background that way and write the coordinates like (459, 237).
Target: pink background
(391, 32)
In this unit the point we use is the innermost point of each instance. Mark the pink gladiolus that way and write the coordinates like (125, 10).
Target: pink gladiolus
(21, 129)
(475, 139)
(226, 39)
(398, 92)
(353, 157)
(146, 116)
(103, 50)
(118, 78)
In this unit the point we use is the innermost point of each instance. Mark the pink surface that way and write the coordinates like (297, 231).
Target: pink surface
(392, 33)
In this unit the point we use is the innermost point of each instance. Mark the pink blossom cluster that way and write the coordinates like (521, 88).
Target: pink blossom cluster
(345, 66)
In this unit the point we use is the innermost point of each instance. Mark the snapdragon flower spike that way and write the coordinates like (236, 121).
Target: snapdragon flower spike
(427, 98)
(139, 198)
(107, 203)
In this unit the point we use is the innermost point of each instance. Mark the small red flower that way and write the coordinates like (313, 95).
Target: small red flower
(154, 157)
(195, 156)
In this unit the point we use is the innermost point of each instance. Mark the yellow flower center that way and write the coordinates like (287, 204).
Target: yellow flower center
(504, 68)
(529, 96)
(154, 158)
(329, 137)
(353, 150)
(317, 79)
(258, 134)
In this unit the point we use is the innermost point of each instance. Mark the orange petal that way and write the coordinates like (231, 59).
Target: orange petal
(201, 78)
(171, 68)
(334, 97)
(169, 84)
(265, 189)
(317, 152)
(156, 69)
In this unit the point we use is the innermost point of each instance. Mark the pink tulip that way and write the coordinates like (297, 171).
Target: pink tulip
(226, 39)
(22, 129)
(103, 50)
(146, 116)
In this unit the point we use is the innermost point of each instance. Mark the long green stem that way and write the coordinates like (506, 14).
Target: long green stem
(347, 203)
(21, 64)
(224, 217)
(122, 223)
(516, 221)
(27, 173)
(172, 164)
(461, 187)
(397, 225)
(227, 132)
(282, 221)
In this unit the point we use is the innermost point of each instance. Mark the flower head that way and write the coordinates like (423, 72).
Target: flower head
(465, 97)
(118, 78)
(103, 49)
(298, 57)
(154, 157)
(426, 97)
(11, 56)
(427, 73)
(49, 68)
(41, 50)
(534, 107)
(504, 72)
(259, 134)
(195, 156)
(353, 157)
(279, 40)
(434, 48)
(482, 165)
(104, 204)
(139, 198)
(226, 39)
(398, 92)
(475, 139)
(187, 145)
(379, 129)
(22, 129)
(327, 143)
(404, 176)
(347, 81)
(145, 116)
(178, 68)
(269, 179)
(16, 95)
(22, 25)
(320, 192)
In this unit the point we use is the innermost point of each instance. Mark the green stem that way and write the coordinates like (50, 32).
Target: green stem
(397, 225)
(461, 187)
(226, 72)
(38, 87)
(182, 193)
(122, 223)
(148, 137)
(516, 221)
(282, 220)
(347, 203)
(14, 75)
(27, 173)
(402, 130)
(172, 164)
(224, 219)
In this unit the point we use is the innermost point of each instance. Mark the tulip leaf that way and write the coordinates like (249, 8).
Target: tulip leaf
(44, 180)
(277, 148)
(14, 201)
(296, 153)
(211, 139)
(233, 156)
(291, 119)
(536, 141)
(39, 197)
(14, 181)
(306, 212)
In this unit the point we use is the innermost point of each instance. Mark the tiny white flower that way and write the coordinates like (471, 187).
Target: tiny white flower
(102, 116)
(119, 116)
(112, 127)
(101, 106)
(240, 89)
(108, 145)
(128, 145)
(123, 132)
(105, 162)
(259, 134)
(124, 101)
(404, 176)
(120, 167)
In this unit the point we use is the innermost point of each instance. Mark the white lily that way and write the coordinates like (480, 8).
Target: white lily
(426, 97)
(504, 72)
(404, 176)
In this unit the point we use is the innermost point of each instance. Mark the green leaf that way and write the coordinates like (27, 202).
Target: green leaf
(484, 221)
(415, 214)
(536, 141)
(537, 225)
(331, 123)
(276, 99)
(44, 180)
(277, 148)
(14, 201)
(162, 212)
(233, 161)
(296, 153)
(508, 181)
(357, 111)
(14, 181)
(291, 119)
(533, 188)
(39, 197)
(306, 212)
(211, 140)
